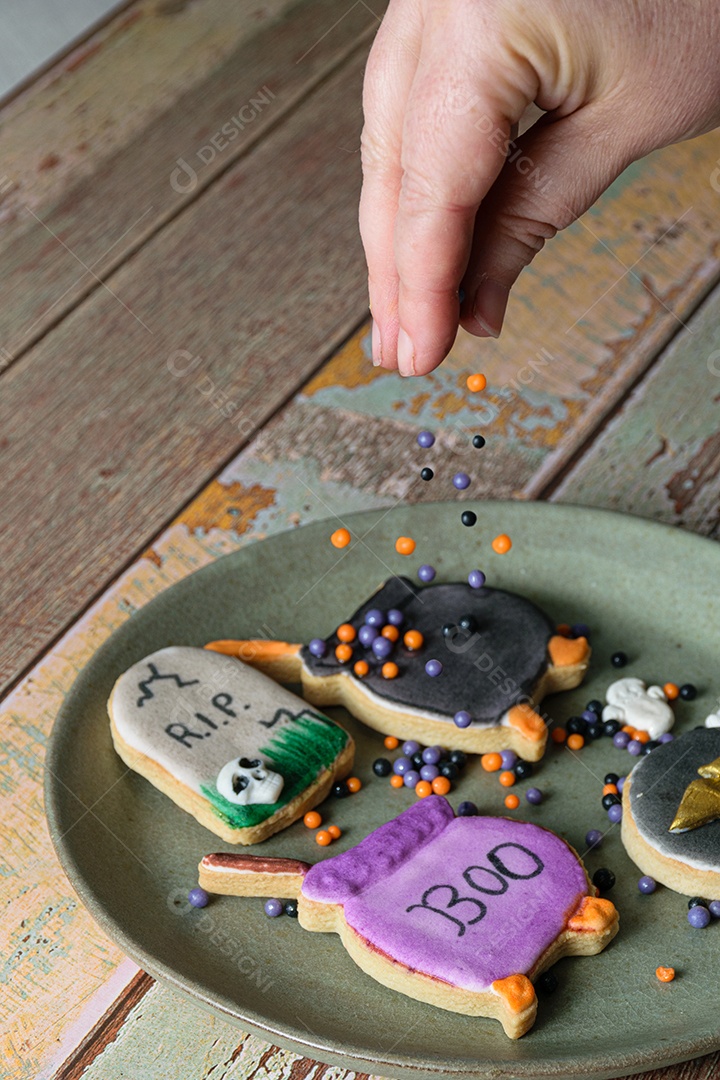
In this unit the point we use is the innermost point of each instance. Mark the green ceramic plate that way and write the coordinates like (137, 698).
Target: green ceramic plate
(644, 588)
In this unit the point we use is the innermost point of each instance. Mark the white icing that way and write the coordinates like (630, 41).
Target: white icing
(247, 782)
(645, 708)
(713, 720)
(195, 711)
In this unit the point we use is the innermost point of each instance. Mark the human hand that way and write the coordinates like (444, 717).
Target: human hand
(445, 206)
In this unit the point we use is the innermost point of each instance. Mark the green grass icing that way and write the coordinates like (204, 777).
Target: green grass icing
(299, 751)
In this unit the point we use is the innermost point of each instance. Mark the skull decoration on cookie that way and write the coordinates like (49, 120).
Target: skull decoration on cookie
(644, 707)
(247, 782)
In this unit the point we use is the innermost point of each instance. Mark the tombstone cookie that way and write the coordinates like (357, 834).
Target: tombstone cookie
(446, 664)
(462, 913)
(241, 754)
(671, 813)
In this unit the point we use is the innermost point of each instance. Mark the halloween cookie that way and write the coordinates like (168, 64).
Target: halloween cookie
(445, 664)
(643, 707)
(671, 813)
(241, 754)
(462, 913)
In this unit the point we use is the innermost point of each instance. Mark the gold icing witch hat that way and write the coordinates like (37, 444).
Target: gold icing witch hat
(701, 802)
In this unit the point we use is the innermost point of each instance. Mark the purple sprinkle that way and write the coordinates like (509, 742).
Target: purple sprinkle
(594, 838)
(273, 908)
(382, 647)
(410, 747)
(534, 796)
(714, 908)
(375, 617)
(461, 480)
(667, 737)
(425, 439)
(433, 668)
(581, 630)
(476, 579)
(411, 778)
(395, 617)
(620, 784)
(462, 719)
(615, 813)
(621, 739)
(198, 897)
(401, 765)
(699, 916)
(634, 747)
(426, 573)
(367, 634)
(317, 647)
(467, 809)
(590, 716)
(647, 885)
(508, 758)
(431, 755)
(429, 772)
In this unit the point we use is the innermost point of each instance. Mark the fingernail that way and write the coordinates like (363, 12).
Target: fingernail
(489, 308)
(405, 354)
(376, 345)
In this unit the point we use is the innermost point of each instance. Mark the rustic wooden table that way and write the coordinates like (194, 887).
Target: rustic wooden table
(184, 369)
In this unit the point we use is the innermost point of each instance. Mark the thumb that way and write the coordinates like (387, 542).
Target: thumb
(552, 174)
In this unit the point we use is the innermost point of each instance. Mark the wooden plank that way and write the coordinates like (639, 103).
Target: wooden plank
(670, 430)
(95, 153)
(146, 389)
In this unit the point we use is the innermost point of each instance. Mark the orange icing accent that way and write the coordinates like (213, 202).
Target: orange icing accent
(565, 652)
(254, 650)
(665, 974)
(527, 722)
(516, 991)
(594, 915)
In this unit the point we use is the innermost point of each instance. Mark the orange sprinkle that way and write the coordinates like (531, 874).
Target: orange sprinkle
(491, 762)
(361, 668)
(390, 632)
(512, 802)
(501, 544)
(610, 789)
(441, 785)
(340, 538)
(642, 736)
(391, 743)
(476, 383)
(507, 778)
(354, 784)
(396, 781)
(404, 545)
(390, 670)
(558, 735)
(423, 788)
(312, 819)
(629, 730)
(665, 974)
(413, 639)
(334, 831)
(575, 742)
(346, 632)
(564, 629)
(343, 653)
(323, 838)
(671, 692)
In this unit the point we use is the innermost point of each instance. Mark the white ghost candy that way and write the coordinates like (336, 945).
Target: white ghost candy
(713, 720)
(645, 708)
(246, 782)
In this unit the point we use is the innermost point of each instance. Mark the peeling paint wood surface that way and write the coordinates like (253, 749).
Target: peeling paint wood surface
(670, 428)
(133, 125)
